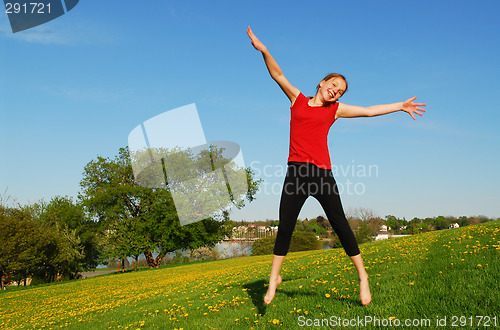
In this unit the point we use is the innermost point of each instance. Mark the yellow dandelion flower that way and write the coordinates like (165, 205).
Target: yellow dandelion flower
(327, 295)
(275, 321)
(411, 283)
(480, 266)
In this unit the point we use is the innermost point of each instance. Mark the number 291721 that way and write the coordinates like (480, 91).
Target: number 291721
(27, 8)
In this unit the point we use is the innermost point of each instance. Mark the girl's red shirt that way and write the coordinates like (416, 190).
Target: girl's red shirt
(309, 127)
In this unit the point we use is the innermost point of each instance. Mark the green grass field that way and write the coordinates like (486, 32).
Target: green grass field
(419, 279)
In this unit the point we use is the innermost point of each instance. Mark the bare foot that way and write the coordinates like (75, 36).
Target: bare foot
(271, 290)
(364, 291)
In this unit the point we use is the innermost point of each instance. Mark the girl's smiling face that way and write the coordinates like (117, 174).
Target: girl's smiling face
(332, 89)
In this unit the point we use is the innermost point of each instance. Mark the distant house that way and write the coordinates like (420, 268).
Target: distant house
(383, 228)
(454, 225)
(261, 229)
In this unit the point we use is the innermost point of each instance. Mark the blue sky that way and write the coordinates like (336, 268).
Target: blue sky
(75, 87)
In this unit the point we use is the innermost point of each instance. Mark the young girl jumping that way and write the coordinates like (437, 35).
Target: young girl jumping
(309, 168)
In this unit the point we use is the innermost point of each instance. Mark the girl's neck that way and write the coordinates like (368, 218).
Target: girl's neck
(316, 102)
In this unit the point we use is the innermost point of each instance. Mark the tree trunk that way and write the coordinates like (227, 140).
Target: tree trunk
(159, 257)
(154, 262)
(149, 259)
(136, 260)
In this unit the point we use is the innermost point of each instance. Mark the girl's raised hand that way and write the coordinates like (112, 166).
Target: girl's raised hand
(411, 107)
(255, 41)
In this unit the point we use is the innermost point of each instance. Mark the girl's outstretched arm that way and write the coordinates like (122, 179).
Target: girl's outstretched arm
(350, 111)
(274, 70)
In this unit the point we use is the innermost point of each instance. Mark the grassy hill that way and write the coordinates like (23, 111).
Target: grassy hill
(419, 279)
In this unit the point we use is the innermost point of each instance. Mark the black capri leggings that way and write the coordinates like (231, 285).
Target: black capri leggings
(304, 180)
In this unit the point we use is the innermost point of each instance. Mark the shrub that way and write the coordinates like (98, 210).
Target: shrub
(363, 234)
(301, 241)
(263, 246)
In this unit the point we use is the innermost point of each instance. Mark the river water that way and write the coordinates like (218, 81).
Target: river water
(239, 249)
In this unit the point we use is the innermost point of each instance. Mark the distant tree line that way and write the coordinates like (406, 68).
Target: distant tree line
(366, 226)
(417, 225)
(113, 218)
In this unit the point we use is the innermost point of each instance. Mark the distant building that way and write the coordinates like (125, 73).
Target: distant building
(384, 228)
(454, 225)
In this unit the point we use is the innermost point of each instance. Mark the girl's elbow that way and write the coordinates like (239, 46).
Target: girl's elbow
(368, 113)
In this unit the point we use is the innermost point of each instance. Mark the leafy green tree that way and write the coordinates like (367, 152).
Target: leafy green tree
(263, 246)
(7, 251)
(59, 254)
(403, 223)
(24, 241)
(323, 222)
(462, 221)
(78, 232)
(424, 227)
(303, 241)
(139, 218)
(441, 223)
(392, 222)
(317, 229)
(301, 226)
